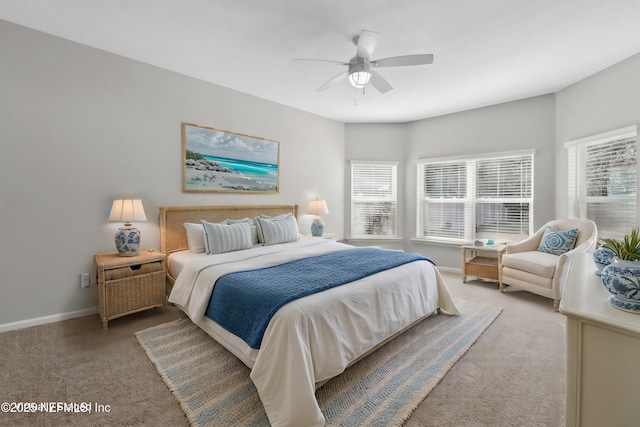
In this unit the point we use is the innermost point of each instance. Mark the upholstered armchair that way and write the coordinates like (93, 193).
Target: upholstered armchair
(544, 272)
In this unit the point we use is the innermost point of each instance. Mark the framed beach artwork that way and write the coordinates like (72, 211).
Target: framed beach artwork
(221, 161)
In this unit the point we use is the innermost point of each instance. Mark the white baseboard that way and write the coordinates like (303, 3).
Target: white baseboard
(450, 270)
(47, 319)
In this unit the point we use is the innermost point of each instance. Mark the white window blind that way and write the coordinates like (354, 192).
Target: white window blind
(374, 199)
(463, 199)
(602, 177)
(445, 203)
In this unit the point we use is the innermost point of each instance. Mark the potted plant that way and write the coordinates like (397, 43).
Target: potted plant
(627, 249)
(622, 278)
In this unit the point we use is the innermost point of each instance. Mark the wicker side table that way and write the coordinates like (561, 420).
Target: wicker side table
(127, 285)
(482, 262)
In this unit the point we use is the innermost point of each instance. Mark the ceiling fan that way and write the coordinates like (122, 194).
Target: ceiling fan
(359, 71)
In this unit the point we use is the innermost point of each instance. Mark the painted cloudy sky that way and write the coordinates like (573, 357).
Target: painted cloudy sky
(218, 143)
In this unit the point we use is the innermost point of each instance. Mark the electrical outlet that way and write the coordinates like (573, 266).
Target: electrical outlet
(84, 280)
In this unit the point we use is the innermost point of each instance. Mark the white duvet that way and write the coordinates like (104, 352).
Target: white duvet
(312, 339)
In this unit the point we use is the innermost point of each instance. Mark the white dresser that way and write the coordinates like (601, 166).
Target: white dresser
(603, 353)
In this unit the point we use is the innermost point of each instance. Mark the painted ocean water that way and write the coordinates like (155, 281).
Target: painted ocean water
(263, 172)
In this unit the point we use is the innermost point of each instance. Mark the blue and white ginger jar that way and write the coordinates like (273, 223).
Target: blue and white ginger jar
(127, 240)
(603, 256)
(622, 280)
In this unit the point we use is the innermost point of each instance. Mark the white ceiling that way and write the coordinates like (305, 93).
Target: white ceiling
(486, 52)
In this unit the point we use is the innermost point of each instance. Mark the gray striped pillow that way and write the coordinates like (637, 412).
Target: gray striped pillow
(254, 231)
(221, 238)
(279, 229)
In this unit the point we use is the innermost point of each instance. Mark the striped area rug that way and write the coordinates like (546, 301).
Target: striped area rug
(383, 389)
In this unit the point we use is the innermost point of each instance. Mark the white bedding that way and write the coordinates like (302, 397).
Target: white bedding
(312, 339)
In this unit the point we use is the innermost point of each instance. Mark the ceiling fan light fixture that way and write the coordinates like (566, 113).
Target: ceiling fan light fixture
(359, 79)
(359, 72)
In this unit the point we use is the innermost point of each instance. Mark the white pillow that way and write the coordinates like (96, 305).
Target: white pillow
(195, 237)
(235, 221)
(277, 217)
(221, 238)
(279, 229)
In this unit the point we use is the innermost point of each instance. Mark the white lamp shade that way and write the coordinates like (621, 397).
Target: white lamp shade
(317, 207)
(127, 210)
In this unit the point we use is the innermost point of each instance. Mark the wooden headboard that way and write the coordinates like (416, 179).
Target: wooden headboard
(173, 236)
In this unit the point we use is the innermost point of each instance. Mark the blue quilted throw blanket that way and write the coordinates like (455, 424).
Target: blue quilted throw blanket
(244, 302)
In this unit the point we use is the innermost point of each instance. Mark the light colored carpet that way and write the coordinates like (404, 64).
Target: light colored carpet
(214, 389)
(512, 376)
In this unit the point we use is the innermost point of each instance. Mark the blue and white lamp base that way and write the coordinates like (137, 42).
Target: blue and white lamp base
(127, 240)
(317, 227)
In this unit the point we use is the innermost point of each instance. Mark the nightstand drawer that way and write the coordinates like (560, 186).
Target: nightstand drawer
(132, 293)
(132, 270)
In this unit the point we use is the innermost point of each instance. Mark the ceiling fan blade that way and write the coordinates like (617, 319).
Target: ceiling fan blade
(366, 42)
(315, 61)
(331, 82)
(378, 82)
(402, 61)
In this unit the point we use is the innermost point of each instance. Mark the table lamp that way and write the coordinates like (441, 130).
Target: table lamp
(317, 208)
(127, 236)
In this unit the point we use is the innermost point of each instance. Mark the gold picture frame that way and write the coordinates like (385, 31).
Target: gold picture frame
(215, 161)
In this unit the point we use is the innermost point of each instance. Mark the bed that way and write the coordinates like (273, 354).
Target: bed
(306, 341)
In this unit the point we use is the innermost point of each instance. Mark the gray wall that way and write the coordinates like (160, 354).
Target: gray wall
(80, 127)
(520, 125)
(605, 101)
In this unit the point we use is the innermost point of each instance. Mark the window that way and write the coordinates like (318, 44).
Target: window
(480, 197)
(602, 175)
(374, 200)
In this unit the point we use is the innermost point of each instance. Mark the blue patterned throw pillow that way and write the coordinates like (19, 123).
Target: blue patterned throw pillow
(557, 242)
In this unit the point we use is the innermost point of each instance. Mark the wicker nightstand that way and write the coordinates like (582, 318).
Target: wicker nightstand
(129, 284)
(484, 262)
